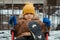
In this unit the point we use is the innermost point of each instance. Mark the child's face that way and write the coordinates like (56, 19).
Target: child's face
(28, 16)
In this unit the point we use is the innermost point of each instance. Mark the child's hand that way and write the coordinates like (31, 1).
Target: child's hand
(26, 34)
(46, 21)
(12, 21)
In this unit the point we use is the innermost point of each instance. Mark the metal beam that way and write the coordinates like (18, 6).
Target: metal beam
(21, 1)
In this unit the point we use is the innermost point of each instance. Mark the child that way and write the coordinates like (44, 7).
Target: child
(21, 29)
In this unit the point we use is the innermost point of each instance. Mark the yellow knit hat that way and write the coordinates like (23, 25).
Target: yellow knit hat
(28, 8)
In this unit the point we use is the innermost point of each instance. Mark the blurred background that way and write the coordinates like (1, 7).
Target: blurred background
(44, 8)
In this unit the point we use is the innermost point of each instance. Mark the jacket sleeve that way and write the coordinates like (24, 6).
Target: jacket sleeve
(44, 28)
(17, 26)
